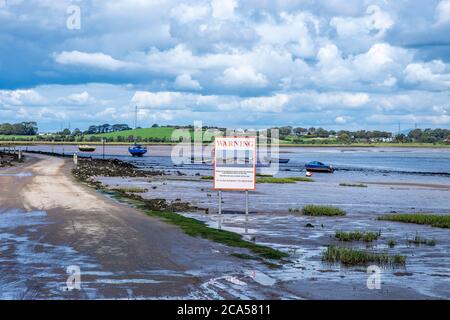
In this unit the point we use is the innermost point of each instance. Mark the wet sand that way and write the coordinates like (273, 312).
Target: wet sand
(49, 222)
(425, 276)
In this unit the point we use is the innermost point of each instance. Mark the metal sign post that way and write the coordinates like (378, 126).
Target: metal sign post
(220, 209)
(103, 143)
(246, 211)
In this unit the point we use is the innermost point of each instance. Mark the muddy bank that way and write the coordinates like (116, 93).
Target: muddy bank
(8, 159)
(88, 168)
(160, 204)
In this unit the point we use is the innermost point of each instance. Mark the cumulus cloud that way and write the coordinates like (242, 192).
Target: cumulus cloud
(82, 98)
(366, 29)
(243, 76)
(184, 81)
(223, 9)
(93, 60)
(443, 12)
(21, 97)
(434, 75)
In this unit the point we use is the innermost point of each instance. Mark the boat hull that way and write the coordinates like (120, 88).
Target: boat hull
(319, 169)
(137, 152)
(280, 160)
(86, 149)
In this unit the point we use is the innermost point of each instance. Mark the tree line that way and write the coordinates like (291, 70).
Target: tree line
(299, 133)
(22, 129)
(426, 136)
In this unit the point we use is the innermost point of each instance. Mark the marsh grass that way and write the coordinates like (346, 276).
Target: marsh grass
(132, 190)
(245, 256)
(264, 175)
(353, 257)
(315, 210)
(196, 228)
(418, 240)
(368, 236)
(392, 243)
(360, 185)
(283, 180)
(267, 178)
(434, 220)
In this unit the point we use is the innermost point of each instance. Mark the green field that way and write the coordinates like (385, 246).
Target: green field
(10, 138)
(159, 133)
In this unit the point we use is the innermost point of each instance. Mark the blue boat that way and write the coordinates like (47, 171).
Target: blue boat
(317, 166)
(279, 160)
(137, 150)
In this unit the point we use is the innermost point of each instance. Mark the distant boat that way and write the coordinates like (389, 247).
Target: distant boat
(86, 148)
(280, 160)
(137, 150)
(316, 166)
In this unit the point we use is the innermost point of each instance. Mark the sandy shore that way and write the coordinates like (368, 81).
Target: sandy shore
(121, 252)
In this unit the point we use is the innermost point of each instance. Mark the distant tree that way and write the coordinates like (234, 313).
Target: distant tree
(65, 132)
(300, 131)
(322, 133)
(76, 132)
(343, 136)
(285, 131)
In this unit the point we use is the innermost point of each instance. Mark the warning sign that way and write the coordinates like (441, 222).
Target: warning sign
(235, 163)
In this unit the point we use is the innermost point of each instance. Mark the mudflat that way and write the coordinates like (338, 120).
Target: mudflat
(49, 222)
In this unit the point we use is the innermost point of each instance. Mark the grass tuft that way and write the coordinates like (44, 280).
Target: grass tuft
(353, 257)
(244, 256)
(263, 178)
(359, 185)
(283, 180)
(132, 190)
(368, 236)
(315, 210)
(434, 220)
(418, 240)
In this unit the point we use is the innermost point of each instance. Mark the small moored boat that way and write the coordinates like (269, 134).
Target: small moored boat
(86, 148)
(137, 150)
(280, 160)
(317, 166)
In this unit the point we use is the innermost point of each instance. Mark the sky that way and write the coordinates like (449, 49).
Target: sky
(337, 64)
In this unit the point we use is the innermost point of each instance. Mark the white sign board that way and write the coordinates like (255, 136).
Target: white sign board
(235, 163)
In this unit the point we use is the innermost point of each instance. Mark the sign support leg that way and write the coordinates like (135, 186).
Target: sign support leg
(246, 211)
(220, 210)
